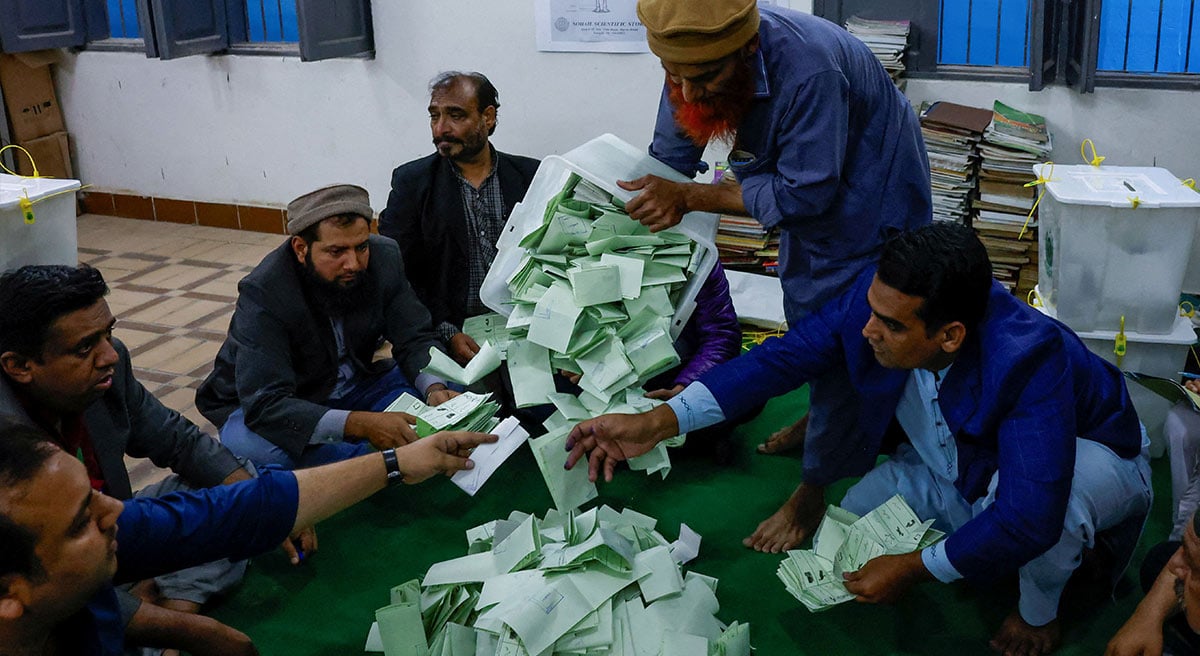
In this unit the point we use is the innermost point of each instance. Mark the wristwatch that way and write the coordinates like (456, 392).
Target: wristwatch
(394, 475)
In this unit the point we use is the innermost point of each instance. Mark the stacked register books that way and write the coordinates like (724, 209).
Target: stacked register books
(743, 244)
(887, 39)
(952, 134)
(1013, 142)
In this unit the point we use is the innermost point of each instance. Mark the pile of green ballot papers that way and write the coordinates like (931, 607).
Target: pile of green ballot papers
(844, 543)
(466, 412)
(599, 582)
(594, 294)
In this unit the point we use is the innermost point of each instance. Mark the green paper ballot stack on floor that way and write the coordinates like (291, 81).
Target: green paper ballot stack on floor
(844, 543)
(577, 584)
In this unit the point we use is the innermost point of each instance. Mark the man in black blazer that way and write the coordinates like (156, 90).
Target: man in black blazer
(296, 383)
(446, 210)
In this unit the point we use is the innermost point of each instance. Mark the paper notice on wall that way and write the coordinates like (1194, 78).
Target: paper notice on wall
(589, 26)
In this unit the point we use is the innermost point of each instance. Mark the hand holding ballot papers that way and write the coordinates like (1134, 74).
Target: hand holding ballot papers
(467, 412)
(868, 558)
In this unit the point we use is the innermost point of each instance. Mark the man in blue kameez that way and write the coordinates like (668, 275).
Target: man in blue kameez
(824, 147)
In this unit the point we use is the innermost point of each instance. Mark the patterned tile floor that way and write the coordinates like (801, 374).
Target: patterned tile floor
(173, 291)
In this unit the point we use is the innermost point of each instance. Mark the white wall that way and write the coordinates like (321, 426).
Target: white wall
(266, 129)
(262, 130)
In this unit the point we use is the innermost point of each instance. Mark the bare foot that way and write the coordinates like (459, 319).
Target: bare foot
(792, 523)
(1017, 637)
(786, 439)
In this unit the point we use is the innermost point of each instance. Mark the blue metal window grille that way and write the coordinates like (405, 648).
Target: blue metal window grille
(123, 20)
(272, 21)
(984, 32)
(1149, 36)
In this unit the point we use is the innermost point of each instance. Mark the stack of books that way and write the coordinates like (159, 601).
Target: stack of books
(743, 244)
(1013, 142)
(887, 39)
(952, 135)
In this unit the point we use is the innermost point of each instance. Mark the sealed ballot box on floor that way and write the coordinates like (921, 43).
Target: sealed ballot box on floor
(585, 288)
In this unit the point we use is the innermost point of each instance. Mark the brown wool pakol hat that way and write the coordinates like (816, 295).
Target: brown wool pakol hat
(316, 206)
(697, 31)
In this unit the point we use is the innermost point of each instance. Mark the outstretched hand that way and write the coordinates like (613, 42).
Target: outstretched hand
(440, 453)
(661, 204)
(610, 439)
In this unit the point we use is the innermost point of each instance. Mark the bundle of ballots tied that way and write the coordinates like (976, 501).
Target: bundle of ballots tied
(599, 582)
(844, 543)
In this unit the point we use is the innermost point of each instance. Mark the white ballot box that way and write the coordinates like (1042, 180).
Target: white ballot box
(37, 221)
(1114, 241)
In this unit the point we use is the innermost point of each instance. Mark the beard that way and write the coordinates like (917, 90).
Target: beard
(467, 149)
(716, 117)
(337, 299)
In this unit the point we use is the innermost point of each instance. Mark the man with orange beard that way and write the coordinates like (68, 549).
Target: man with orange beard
(823, 146)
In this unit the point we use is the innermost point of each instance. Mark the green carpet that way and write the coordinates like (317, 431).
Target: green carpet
(326, 606)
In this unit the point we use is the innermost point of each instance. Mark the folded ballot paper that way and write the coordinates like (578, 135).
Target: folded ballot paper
(485, 362)
(598, 582)
(844, 543)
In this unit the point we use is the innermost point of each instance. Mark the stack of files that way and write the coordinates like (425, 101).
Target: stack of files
(743, 244)
(1013, 142)
(466, 412)
(887, 39)
(598, 582)
(952, 134)
(1016, 130)
(844, 543)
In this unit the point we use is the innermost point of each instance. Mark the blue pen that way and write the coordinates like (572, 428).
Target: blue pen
(1189, 376)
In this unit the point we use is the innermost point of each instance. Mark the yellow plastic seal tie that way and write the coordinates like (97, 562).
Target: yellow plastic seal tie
(1095, 159)
(1190, 183)
(1046, 176)
(1034, 299)
(32, 163)
(1186, 309)
(27, 209)
(1134, 201)
(1119, 344)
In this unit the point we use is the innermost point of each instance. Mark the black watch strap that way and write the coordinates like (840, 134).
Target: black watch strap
(394, 475)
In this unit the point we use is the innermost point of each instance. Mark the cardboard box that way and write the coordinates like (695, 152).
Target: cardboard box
(29, 97)
(52, 154)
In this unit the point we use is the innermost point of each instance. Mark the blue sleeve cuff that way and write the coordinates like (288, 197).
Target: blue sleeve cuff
(758, 195)
(938, 564)
(330, 428)
(424, 381)
(695, 408)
